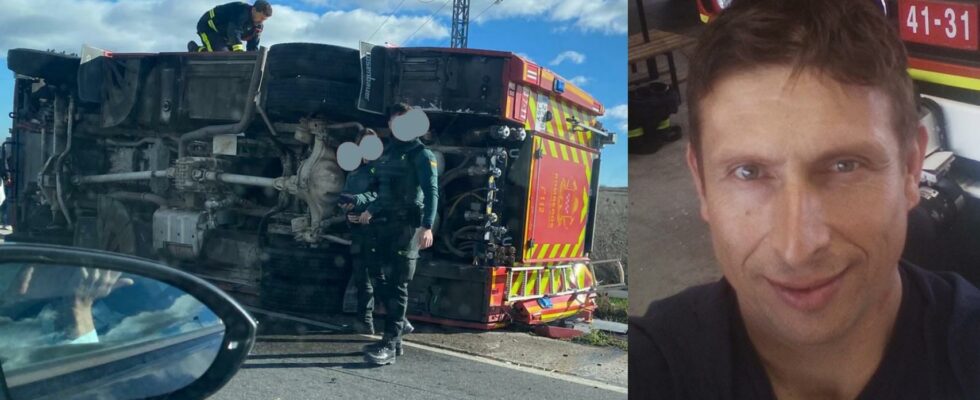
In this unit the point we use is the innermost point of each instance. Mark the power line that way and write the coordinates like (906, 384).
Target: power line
(492, 3)
(426, 21)
(386, 20)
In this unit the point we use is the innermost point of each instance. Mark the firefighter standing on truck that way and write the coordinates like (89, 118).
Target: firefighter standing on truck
(354, 200)
(225, 27)
(408, 193)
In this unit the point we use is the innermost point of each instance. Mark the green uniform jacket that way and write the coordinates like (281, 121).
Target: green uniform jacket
(358, 184)
(406, 177)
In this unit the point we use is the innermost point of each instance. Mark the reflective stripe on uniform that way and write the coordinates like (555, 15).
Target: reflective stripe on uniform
(211, 24)
(211, 12)
(207, 43)
(238, 47)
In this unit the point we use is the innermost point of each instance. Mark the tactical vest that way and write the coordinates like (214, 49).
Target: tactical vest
(399, 194)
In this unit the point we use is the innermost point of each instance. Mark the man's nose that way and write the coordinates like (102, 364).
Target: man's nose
(801, 232)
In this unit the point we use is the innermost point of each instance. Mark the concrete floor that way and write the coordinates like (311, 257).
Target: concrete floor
(666, 230)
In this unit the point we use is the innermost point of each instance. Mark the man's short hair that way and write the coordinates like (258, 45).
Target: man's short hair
(849, 41)
(263, 7)
(398, 109)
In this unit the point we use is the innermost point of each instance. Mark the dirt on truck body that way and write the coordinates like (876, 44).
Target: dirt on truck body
(225, 164)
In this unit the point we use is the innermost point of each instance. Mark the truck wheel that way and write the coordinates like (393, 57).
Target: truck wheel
(297, 266)
(314, 60)
(308, 297)
(301, 95)
(52, 67)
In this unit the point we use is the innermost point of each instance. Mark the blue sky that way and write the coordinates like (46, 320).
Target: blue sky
(595, 30)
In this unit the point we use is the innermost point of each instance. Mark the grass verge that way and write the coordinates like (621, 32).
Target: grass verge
(601, 339)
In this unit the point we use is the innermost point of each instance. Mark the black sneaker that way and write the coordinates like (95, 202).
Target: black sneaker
(382, 355)
(370, 348)
(192, 46)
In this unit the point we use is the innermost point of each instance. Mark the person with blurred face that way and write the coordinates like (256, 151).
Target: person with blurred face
(806, 156)
(403, 215)
(225, 27)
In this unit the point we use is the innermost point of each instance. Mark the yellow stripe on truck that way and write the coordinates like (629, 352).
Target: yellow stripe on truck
(564, 250)
(554, 252)
(544, 250)
(945, 79)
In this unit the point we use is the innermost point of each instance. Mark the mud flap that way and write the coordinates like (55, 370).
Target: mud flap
(373, 73)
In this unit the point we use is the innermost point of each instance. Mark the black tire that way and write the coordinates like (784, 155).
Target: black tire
(52, 67)
(305, 266)
(301, 96)
(301, 297)
(335, 63)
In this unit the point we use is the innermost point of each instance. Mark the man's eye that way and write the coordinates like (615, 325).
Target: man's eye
(845, 166)
(747, 172)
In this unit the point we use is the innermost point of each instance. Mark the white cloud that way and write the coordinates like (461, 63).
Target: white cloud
(620, 111)
(579, 80)
(570, 55)
(157, 25)
(616, 118)
(603, 16)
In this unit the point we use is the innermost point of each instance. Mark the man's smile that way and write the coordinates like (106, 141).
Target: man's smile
(808, 295)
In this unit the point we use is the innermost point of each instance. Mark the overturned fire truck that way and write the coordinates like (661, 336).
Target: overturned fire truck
(224, 164)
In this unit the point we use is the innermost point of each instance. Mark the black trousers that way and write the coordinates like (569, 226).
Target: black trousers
(211, 38)
(364, 255)
(398, 252)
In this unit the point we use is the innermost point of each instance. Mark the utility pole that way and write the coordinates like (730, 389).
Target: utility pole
(461, 24)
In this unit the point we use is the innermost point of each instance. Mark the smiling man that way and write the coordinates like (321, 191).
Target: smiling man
(806, 156)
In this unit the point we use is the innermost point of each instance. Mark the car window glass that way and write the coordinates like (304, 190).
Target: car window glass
(60, 324)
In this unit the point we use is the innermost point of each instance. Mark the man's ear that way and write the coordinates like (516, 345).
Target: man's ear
(914, 157)
(694, 166)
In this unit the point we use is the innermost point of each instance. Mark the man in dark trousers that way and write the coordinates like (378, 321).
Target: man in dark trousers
(408, 192)
(225, 27)
(806, 155)
(355, 198)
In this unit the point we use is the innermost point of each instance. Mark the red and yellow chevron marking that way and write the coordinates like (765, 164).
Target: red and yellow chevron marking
(529, 222)
(560, 114)
(532, 110)
(558, 202)
(530, 311)
(526, 102)
(551, 280)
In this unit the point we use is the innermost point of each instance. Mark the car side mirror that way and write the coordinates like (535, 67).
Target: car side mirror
(86, 324)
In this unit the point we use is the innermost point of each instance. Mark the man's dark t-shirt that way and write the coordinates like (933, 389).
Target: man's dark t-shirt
(694, 345)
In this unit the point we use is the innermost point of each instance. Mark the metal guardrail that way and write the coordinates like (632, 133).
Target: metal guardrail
(620, 271)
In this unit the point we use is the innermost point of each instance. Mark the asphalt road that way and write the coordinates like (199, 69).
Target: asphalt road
(294, 360)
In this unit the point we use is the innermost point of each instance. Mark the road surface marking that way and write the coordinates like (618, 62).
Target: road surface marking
(502, 364)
